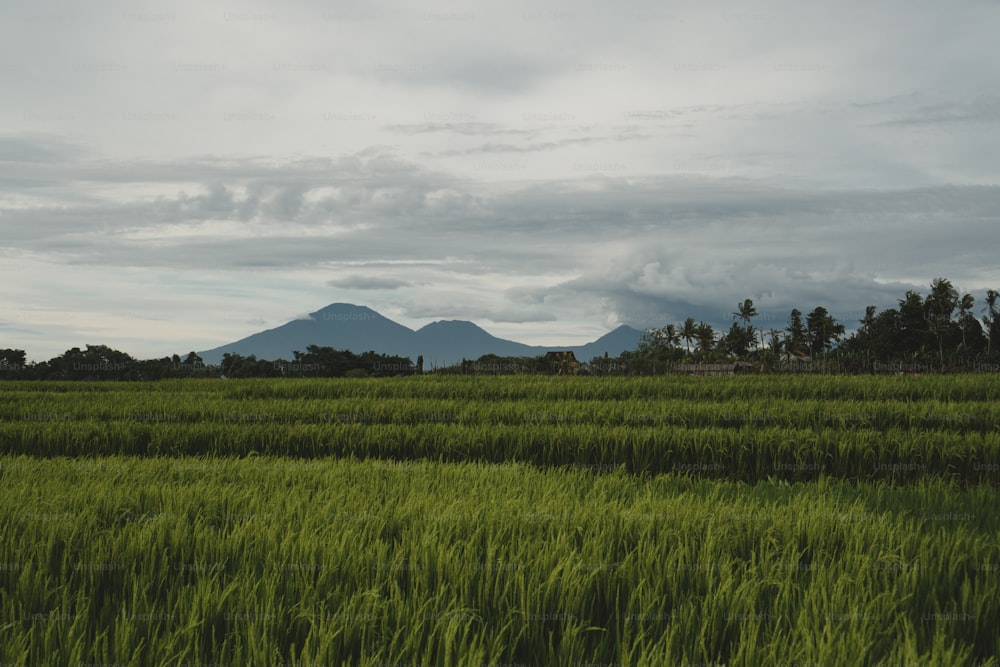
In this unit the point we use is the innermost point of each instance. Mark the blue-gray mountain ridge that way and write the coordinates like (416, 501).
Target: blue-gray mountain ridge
(345, 326)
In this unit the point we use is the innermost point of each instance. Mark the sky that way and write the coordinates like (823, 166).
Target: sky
(177, 175)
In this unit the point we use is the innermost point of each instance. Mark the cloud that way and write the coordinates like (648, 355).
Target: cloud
(519, 164)
(360, 282)
(492, 311)
(39, 149)
(543, 146)
(982, 109)
(466, 128)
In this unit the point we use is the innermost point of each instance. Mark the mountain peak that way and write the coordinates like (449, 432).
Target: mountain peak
(453, 324)
(346, 326)
(344, 312)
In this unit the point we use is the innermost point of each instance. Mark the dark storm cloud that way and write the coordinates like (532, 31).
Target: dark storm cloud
(579, 163)
(656, 245)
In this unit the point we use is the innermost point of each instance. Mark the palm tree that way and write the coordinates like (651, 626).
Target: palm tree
(689, 332)
(772, 356)
(774, 339)
(671, 336)
(938, 308)
(869, 319)
(991, 310)
(746, 311)
(990, 318)
(705, 336)
(866, 326)
(965, 305)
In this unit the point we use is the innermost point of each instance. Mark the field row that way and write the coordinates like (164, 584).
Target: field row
(955, 388)
(148, 407)
(747, 453)
(758, 434)
(279, 561)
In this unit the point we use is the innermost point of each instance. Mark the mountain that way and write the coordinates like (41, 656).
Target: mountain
(345, 326)
(448, 342)
(340, 325)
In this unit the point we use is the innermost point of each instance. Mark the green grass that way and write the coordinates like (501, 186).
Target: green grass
(486, 521)
(269, 561)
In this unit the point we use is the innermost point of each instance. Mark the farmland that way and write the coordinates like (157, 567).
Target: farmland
(477, 521)
(743, 429)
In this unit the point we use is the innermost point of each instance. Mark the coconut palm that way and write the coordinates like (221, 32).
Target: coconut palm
(938, 308)
(869, 319)
(671, 336)
(991, 316)
(705, 337)
(745, 311)
(689, 332)
(965, 305)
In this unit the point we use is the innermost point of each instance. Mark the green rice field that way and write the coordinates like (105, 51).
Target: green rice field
(502, 521)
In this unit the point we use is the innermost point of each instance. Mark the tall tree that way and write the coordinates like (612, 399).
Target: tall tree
(774, 341)
(797, 338)
(990, 312)
(737, 340)
(868, 320)
(745, 311)
(822, 330)
(670, 336)
(705, 337)
(770, 354)
(913, 335)
(939, 306)
(657, 345)
(689, 332)
(12, 359)
(965, 306)
(866, 326)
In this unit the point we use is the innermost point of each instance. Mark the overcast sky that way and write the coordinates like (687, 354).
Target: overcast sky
(177, 175)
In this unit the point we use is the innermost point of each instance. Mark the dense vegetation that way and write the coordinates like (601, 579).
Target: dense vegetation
(938, 331)
(99, 362)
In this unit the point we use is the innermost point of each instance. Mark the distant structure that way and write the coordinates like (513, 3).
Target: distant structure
(562, 363)
(796, 360)
(715, 369)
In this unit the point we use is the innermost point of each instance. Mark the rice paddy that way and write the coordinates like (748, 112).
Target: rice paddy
(501, 521)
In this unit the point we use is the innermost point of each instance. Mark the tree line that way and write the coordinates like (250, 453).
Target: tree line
(942, 331)
(100, 362)
(939, 331)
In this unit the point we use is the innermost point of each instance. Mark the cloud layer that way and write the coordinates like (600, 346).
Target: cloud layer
(175, 177)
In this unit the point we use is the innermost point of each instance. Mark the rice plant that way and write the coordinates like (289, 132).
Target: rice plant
(263, 560)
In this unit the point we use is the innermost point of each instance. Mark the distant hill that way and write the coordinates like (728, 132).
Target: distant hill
(345, 326)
